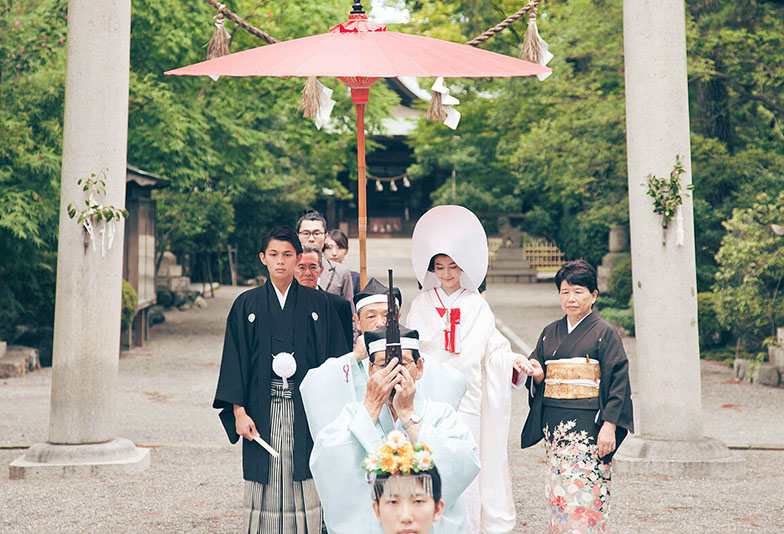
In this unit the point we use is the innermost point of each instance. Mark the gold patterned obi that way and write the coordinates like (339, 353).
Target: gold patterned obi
(572, 378)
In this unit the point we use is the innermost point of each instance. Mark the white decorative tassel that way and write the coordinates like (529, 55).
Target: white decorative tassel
(284, 365)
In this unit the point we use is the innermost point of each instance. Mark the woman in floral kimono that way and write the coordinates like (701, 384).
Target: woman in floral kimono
(457, 328)
(581, 404)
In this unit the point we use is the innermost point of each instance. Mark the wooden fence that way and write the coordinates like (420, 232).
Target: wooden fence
(542, 254)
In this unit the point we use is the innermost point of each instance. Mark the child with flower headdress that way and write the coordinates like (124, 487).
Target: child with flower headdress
(406, 485)
(386, 431)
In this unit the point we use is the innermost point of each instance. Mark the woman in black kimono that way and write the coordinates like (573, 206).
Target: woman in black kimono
(580, 403)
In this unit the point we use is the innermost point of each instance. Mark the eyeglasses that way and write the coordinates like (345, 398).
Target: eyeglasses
(314, 233)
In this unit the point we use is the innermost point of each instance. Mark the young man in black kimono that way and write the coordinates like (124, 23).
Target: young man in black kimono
(275, 333)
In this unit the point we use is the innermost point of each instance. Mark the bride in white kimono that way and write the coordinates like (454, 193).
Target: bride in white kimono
(456, 326)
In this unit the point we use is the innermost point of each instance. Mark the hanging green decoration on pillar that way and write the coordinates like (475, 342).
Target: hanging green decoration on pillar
(97, 217)
(667, 197)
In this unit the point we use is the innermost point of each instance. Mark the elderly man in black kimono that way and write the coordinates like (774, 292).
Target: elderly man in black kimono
(307, 273)
(580, 400)
(275, 333)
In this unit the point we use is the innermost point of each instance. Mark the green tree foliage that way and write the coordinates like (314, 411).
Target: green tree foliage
(751, 269)
(239, 156)
(736, 97)
(555, 150)
(32, 72)
(712, 333)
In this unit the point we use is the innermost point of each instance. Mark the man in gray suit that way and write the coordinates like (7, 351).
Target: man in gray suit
(336, 278)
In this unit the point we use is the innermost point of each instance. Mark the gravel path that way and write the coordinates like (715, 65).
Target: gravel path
(194, 480)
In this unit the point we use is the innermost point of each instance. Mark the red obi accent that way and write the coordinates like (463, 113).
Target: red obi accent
(358, 23)
(451, 343)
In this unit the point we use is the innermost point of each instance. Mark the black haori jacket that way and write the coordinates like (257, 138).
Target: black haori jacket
(246, 369)
(599, 340)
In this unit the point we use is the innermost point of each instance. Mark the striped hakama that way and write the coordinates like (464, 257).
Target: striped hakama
(283, 505)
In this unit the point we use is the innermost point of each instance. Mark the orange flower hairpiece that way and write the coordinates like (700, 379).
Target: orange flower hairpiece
(398, 455)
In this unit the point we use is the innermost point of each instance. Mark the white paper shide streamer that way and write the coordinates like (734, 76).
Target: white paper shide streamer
(680, 233)
(107, 230)
(544, 57)
(325, 105)
(448, 102)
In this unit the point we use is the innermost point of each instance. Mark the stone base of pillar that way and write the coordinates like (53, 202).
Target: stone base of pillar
(705, 457)
(47, 460)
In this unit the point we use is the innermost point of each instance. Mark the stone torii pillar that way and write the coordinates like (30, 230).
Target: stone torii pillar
(82, 437)
(669, 437)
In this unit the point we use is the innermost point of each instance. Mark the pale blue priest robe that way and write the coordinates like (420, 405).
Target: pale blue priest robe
(340, 447)
(339, 381)
(326, 389)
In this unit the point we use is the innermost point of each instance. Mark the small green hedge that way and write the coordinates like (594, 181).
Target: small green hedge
(130, 301)
(620, 317)
(712, 334)
(620, 283)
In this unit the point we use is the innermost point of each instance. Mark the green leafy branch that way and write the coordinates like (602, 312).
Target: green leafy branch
(95, 185)
(666, 193)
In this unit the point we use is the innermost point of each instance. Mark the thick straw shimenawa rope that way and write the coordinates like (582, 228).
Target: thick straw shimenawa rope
(498, 28)
(242, 23)
(476, 41)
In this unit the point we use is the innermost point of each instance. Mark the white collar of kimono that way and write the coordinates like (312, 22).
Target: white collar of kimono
(405, 343)
(282, 296)
(569, 327)
(449, 300)
(456, 232)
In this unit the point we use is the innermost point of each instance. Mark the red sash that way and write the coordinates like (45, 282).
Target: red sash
(452, 321)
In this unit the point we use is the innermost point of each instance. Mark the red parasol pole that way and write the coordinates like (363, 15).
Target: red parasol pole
(360, 97)
(360, 91)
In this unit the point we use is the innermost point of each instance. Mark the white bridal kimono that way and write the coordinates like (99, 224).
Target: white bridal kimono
(340, 447)
(485, 359)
